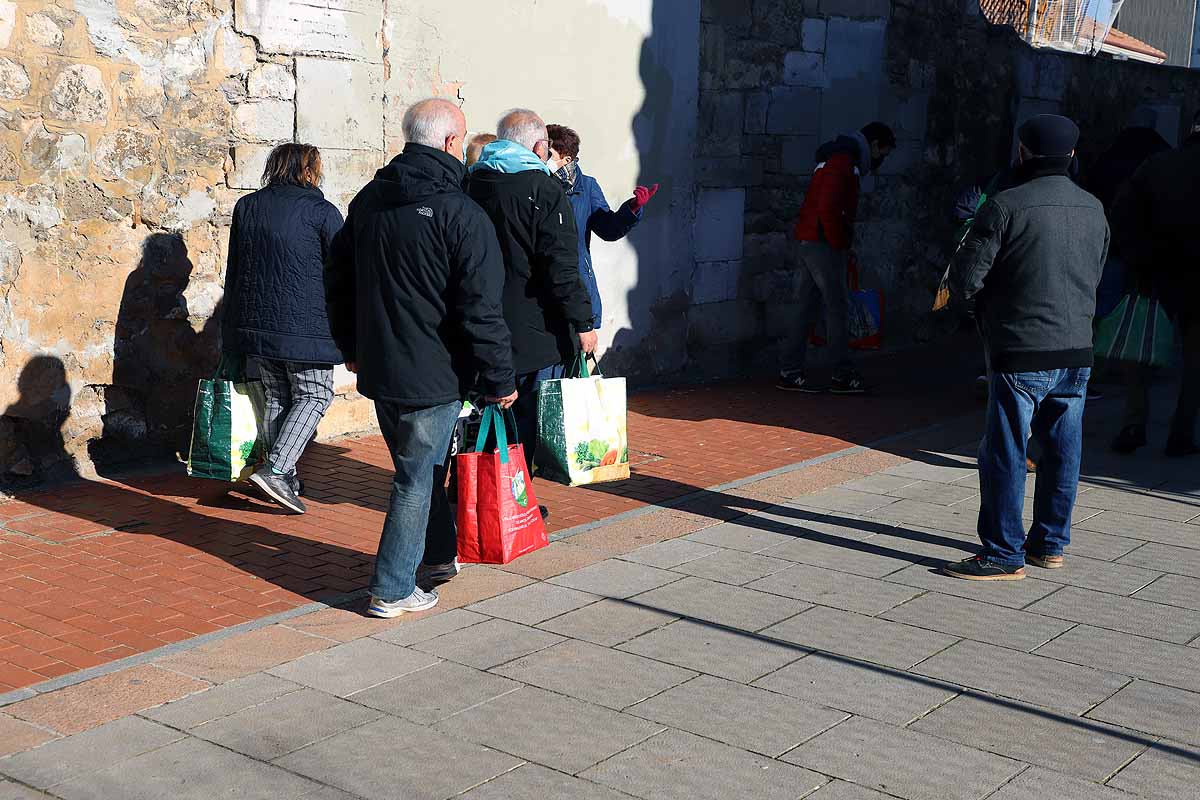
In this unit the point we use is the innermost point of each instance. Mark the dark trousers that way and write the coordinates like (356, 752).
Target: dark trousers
(526, 409)
(1137, 398)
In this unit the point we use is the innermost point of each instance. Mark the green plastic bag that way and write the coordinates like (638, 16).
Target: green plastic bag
(1137, 331)
(582, 429)
(227, 425)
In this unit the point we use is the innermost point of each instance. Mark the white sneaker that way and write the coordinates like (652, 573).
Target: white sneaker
(429, 574)
(419, 600)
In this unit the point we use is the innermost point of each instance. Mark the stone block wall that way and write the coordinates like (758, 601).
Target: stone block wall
(778, 77)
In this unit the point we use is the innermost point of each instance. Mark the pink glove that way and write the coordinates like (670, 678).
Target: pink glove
(642, 195)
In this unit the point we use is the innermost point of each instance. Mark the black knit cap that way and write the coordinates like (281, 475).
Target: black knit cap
(1049, 135)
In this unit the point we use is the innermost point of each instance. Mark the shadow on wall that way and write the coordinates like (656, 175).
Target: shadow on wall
(655, 342)
(157, 358)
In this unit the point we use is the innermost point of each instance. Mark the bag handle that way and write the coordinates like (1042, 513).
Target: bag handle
(496, 420)
(231, 367)
(579, 367)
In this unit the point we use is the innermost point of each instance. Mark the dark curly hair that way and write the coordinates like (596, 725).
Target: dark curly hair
(564, 140)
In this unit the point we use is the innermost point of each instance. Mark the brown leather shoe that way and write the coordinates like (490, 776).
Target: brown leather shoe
(1045, 562)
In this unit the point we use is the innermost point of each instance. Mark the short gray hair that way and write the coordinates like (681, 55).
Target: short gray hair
(430, 122)
(522, 126)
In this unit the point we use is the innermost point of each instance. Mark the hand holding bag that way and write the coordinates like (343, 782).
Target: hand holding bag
(227, 424)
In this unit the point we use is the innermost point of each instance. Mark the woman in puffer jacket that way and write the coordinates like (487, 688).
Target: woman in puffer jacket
(275, 309)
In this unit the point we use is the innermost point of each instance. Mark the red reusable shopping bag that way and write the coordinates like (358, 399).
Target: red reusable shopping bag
(865, 315)
(498, 516)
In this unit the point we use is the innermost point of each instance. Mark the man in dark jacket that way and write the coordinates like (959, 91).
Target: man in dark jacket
(1031, 264)
(825, 230)
(1154, 226)
(414, 283)
(592, 214)
(545, 302)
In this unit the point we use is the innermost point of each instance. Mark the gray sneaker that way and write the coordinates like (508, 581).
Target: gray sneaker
(279, 488)
(429, 574)
(419, 600)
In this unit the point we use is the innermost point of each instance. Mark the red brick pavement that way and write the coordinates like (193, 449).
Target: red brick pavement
(95, 571)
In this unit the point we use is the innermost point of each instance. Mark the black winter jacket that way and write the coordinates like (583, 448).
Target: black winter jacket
(1031, 263)
(274, 297)
(1155, 225)
(414, 284)
(545, 301)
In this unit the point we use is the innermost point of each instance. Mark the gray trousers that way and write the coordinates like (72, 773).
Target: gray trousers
(820, 275)
(297, 396)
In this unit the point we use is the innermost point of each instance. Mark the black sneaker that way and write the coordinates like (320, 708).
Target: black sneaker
(545, 512)
(1129, 439)
(1181, 448)
(278, 488)
(978, 568)
(848, 384)
(797, 383)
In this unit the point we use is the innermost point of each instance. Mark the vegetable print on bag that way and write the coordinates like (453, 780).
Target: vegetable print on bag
(582, 427)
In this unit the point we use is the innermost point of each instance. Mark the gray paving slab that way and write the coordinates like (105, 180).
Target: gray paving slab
(959, 519)
(1173, 590)
(936, 546)
(1126, 614)
(733, 606)
(1079, 514)
(733, 566)
(677, 765)
(352, 667)
(1059, 741)
(742, 716)
(15, 791)
(393, 758)
(903, 762)
(859, 688)
(879, 483)
(670, 553)
(187, 770)
(1165, 558)
(889, 643)
(855, 555)
(608, 623)
(434, 693)
(1104, 546)
(63, 759)
(940, 468)
(1142, 504)
(982, 622)
(1102, 576)
(1153, 708)
(555, 731)
(1023, 676)
(534, 782)
(327, 793)
(489, 644)
(750, 534)
(534, 603)
(1161, 662)
(1010, 594)
(221, 701)
(422, 630)
(714, 650)
(841, 790)
(1146, 529)
(942, 494)
(972, 482)
(1042, 784)
(277, 727)
(1166, 771)
(616, 578)
(837, 589)
(844, 501)
(597, 674)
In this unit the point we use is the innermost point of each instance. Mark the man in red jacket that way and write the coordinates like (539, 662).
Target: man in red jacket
(825, 230)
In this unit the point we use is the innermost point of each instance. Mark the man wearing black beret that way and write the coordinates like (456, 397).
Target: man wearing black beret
(1031, 265)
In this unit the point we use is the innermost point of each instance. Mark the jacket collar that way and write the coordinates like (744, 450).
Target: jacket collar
(438, 163)
(864, 152)
(509, 157)
(1042, 167)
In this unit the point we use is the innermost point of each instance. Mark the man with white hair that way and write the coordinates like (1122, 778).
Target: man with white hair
(546, 304)
(414, 283)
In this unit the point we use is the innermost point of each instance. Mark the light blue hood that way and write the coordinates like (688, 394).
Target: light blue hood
(508, 157)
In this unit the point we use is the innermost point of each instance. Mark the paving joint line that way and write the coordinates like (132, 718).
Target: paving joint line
(75, 678)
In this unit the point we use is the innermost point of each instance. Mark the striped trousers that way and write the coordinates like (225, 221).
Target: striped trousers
(297, 396)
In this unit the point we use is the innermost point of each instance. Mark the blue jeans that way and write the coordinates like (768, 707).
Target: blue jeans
(418, 439)
(1050, 406)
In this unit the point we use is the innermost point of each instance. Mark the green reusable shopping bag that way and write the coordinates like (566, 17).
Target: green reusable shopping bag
(226, 425)
(582, 429)
(1137, 331)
